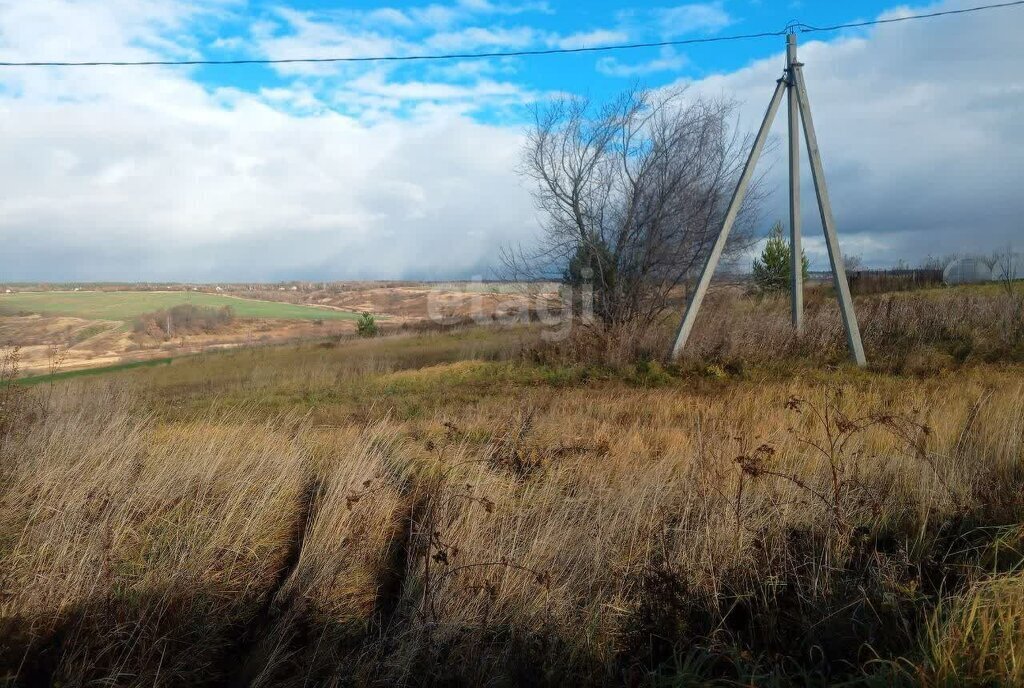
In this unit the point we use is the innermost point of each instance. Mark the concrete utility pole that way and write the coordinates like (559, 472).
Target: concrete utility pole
(828, 223)
(796, 256)
(799, 109)
(697, 297)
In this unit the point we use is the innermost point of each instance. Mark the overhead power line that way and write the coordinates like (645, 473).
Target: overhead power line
(806, 28)
(403, 58)
(796, 26)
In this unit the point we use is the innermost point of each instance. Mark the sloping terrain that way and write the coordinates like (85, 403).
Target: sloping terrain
(452, 510)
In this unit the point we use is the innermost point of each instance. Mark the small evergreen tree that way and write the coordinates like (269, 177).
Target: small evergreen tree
(593, 265)
(771, 270)
(366, 326)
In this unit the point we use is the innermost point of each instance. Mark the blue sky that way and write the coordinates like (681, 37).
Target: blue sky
(409, 170)
(431, 28)
(319, 28)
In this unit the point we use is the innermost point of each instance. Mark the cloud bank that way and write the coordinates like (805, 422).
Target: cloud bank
(373, 172)
(920, 130)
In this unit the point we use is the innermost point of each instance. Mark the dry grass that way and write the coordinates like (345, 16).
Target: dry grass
(912, 333)
(432, 509)
(981, 640)
(924, 332)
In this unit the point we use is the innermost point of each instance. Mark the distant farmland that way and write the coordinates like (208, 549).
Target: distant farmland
(127, 305)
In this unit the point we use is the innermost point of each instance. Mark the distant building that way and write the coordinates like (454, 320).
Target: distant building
(969, 270)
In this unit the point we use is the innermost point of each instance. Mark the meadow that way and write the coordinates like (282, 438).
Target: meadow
(127, 305)
(483, 507)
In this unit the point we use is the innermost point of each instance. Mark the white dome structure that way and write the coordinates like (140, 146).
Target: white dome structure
(969, 270)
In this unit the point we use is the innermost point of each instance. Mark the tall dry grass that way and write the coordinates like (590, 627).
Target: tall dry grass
(979, 640)
(129, 550)
(296, 520)
(918, 333)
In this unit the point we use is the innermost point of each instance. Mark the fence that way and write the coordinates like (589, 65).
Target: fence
(878, 281)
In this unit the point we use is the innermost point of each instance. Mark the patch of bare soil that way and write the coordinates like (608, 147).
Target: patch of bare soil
(47, 344)
(76, 343)
(414, 302)
(38, 330)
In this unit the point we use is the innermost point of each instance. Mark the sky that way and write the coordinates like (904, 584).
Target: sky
(409, 170)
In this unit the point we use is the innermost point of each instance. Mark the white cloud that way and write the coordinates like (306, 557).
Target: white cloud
(229, 43)
(406, 91)
(147, 175)
(667, 61)
(250, 192)
(475, 37)
(297, 34)
(692, 18)
(298, 97)
(96, 28)
(490, 7)
(590, 39)
(919, 130)
(390, 15)
(436, 16)
(376, 172)
(470, 69)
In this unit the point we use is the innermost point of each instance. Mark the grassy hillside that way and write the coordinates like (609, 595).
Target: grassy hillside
(126, 305)
(460, 509)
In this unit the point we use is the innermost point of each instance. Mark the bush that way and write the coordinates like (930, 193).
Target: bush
(366, 326)
(771, 270)
(183, 319)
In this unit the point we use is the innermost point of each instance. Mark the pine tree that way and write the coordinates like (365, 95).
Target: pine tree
(594, 265)
(771, 270)
(366, 326)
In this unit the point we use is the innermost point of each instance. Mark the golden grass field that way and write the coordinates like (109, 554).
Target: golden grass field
(478, 508)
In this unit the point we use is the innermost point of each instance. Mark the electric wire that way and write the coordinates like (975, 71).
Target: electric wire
(796, 26)
(807, 28)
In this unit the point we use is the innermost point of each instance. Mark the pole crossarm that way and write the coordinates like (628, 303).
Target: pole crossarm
(799, 110)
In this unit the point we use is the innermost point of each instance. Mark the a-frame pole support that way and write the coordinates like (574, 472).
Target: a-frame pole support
(799, 109)
(697, 296)
(828, 224)
(796, 253)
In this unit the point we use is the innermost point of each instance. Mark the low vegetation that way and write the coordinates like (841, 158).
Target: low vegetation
(480, 507)
(366, 326)
(99, 329)
(182, 320)
(772, 271)
(922, 332)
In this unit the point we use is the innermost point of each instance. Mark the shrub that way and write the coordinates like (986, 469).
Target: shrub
(771, 270)
(366, 326)
(183, 319)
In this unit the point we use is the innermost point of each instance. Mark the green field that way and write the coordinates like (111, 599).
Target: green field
(127, 305)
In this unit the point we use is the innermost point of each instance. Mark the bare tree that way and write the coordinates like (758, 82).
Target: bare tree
(1006, 271)
(633, 194)
(853, 262)
(939, 262)
(1004, 264)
